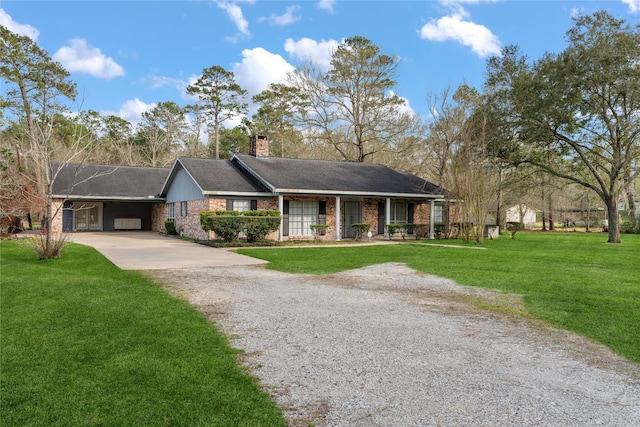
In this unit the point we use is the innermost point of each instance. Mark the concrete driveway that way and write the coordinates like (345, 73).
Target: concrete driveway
(146, 250)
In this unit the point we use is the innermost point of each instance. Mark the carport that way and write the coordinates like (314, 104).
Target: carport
(108, 215)
(108, 198)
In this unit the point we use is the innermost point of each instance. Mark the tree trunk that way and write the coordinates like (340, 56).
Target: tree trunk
(631, 203)
(613, 222)
(48, 239)
(544, 213)
(499, 218)
(552, 226)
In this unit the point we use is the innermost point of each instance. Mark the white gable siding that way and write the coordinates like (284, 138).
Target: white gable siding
(183, 188)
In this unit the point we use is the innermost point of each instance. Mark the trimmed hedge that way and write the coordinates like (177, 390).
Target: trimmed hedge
(229, 224)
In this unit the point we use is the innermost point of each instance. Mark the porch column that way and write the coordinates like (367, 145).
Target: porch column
(387, 217)
(281, 209)
(432, 208)
(338, 217)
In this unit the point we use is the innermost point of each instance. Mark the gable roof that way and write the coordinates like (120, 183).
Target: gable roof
(108, 182)
(286, 175)
(215, 176)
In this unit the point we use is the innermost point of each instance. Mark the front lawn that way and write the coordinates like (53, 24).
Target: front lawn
(85, 343)
(571, 280)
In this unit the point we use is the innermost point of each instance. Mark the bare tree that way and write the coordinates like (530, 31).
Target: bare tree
(160, 133)
(37, 97)
(352, 107)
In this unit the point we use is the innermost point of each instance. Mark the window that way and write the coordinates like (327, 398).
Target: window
(171, 211)
(398, 213)
(241, 205)
(438, 214)
(302, 214)
(183, 208)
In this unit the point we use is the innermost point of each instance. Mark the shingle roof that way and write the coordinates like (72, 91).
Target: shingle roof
(335, 176)
(107, 181)
(219, 175)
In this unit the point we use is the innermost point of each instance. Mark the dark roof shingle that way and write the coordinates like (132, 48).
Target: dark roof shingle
(219, 175)
(107, 181)
(335, 176)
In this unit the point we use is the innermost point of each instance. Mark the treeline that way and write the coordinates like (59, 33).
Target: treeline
(567, 122)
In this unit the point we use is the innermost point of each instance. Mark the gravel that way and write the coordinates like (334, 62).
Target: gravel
(388, 346)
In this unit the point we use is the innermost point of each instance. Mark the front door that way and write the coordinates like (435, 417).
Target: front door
(87, 217)
(352, 214)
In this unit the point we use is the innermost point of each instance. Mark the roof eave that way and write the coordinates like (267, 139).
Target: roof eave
(237, 193)
(358, 193)
(150, 198)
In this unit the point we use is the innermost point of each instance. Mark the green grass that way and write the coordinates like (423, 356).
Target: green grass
(571, 280)
(84, 343)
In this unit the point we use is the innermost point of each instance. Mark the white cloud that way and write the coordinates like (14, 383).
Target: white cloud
(326, 5)
(575, 12)
(17, 28)
(80, 57)
(131, 110)
(310, 50)
(403, 108)
(234, 12)
(634, 5)
(258, 69)
(453, 27)
(287, 18)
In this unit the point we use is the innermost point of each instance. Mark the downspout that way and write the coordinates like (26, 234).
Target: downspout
(281, 209)
(338, 217)
(432, 228)
(387, 218)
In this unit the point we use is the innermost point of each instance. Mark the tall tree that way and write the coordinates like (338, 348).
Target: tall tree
(161, 130)
(275, 117)
(236, 140)
(38, 94)
(582, 104)
(352, 107)
(220, 97)
(196, 124)
(118, 142)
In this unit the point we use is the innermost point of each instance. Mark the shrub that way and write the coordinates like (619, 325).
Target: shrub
(631, 226)
(360, 228)
(419, 230)
(229, 224)
(226, 224)
(319, 230)
(170, 226)
(257, 224)
(43, 249)
(514, 227)
(392, 228)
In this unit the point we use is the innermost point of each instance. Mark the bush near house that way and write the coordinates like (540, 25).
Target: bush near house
(229, 224)
(257, 224)
(170, 227)
(360, 229)
(319, 230)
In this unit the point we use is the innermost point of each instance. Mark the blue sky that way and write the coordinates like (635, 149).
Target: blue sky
(125, 56)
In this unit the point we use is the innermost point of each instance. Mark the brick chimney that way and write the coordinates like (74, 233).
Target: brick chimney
(259, 146)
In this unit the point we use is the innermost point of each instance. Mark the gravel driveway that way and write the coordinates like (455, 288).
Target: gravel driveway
(387, 346)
